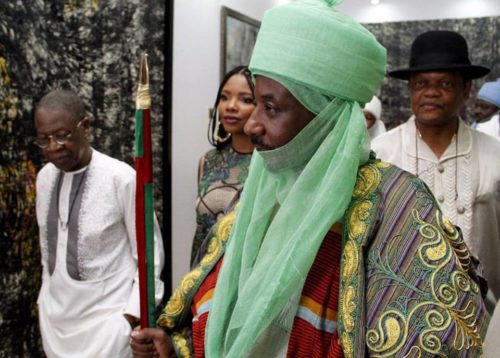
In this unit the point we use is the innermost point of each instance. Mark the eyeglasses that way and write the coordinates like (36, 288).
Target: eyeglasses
(59, 139)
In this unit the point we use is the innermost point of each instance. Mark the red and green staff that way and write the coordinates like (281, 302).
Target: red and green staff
(144, 216)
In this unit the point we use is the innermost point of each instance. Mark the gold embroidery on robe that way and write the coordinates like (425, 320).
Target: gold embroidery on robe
(439, 308)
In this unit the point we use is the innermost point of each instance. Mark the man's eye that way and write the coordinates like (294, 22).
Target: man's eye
(419, 84)
(446, 84)
(60, 137)
(42, 141)
(269, 108)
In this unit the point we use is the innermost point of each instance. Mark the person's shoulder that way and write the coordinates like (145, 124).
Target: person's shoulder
(387, 139)
(489, 124)
(487, 142)
(46, 177)
(110, 165)
(214, 157)
(383, 172)
(389, 180)
(485, 150)
(48, 168)
(386, 145)
(48, 171)
(213, 153)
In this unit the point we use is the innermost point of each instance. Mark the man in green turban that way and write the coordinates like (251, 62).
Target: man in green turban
(330, 252)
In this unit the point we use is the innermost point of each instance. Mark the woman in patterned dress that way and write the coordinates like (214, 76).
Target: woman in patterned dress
(223, 170)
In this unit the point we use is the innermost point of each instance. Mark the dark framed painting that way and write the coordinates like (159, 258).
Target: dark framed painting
(238, 36)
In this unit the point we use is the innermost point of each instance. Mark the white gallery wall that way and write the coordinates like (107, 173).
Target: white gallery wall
(406, 10)
(196, 48)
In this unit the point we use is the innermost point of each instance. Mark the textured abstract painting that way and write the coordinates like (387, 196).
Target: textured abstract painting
(92, 47)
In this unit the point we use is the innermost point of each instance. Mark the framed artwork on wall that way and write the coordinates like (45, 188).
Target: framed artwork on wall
(238, 36)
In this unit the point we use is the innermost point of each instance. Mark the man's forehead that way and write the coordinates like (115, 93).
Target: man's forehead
(435, 74)
(484, 103)
(52, 111)
(53, 118)
(268, 88)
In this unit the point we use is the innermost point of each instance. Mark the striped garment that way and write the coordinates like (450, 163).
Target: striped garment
(405, 286)
(314, 331)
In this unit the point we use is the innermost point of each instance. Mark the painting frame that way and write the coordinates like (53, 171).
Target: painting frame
(238, 36)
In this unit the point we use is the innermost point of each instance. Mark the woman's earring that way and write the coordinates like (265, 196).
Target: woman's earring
(219, 138)
(222, 140)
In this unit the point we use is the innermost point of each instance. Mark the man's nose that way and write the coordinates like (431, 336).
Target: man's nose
(432, 90)
(253, 126)
(476, 109)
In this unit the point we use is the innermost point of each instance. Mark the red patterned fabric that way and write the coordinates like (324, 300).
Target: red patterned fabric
(203, 295)
(321, 291)
(314, 331)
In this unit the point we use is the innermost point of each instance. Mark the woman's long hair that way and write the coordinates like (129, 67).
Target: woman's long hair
(215, 129)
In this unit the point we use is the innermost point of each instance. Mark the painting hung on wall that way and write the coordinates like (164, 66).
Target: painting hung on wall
(239, 33)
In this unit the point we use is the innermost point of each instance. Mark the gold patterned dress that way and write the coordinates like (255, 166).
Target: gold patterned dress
(221, 175)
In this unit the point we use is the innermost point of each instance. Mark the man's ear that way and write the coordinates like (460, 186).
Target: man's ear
(86, 125)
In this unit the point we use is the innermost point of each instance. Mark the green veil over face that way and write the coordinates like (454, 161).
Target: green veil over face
(294, 194)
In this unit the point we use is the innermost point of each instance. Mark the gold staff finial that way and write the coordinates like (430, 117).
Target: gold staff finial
(143, 100)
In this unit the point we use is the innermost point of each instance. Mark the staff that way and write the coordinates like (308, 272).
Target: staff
(144, 197)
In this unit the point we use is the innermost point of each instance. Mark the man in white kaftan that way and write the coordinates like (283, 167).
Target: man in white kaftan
(89, 297)
(458, 163)
(491, 343)
(491, 126)
(373, 120)
(487, 108)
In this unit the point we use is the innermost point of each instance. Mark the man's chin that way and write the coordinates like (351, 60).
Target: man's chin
(434, 121)
(263, 148)
(64, 164)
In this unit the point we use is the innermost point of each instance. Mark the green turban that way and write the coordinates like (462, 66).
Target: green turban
(294, 194)
(312, 44)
